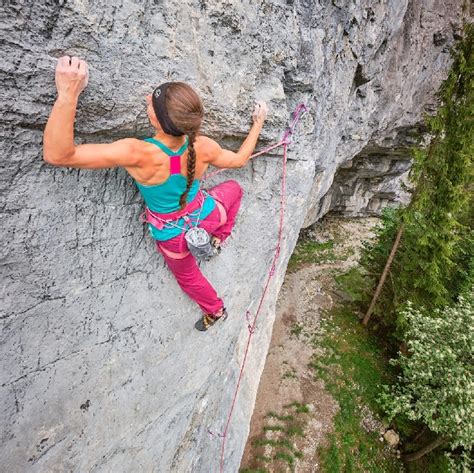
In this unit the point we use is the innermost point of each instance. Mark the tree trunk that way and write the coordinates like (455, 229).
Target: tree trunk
(423, 451)
(384, 274)
(419, 435)
(419, 185)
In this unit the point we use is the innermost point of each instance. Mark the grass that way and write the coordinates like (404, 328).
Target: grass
(311, 252)
(296, 329)
(282, 443)
(273, 428)
(290, 374)
(356, 284)
(285, 457)
(298, 407)
(294, 431)
(280, 447)
(298, 455)
(353, 368)
(279, 417)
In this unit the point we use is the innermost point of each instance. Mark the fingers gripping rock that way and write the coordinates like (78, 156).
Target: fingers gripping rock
(72, 76)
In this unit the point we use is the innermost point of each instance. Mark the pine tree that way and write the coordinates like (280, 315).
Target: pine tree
(432, 254)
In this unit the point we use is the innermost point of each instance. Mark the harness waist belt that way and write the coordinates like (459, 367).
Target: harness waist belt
(159, 220)
(183, 254)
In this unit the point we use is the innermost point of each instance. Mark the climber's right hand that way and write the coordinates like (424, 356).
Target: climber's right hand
(260, 112)
(72, 75)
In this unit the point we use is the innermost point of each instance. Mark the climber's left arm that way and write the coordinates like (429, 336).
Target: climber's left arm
(58, 144)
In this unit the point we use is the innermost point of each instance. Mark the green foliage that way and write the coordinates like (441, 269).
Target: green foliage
(463, 463)
(261, 442)
(280, 417)
(294, 431)
(298, 407)
(353, 366)
(374, 255)
(434, 261)
(357, 284)
(427, 298)
(296, 329)
(285, 457)
(273, 428)
(436, 384)
(376, 251)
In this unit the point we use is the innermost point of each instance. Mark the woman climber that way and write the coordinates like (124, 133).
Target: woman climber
(167, 180)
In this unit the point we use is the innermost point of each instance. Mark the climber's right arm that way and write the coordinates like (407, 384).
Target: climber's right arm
(223, 158)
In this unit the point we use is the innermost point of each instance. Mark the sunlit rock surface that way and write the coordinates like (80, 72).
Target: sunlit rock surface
(101, 367)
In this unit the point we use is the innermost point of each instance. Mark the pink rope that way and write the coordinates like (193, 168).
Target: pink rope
(289, 131)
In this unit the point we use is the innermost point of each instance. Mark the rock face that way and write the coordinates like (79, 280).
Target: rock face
(376, 177)
(101, 368)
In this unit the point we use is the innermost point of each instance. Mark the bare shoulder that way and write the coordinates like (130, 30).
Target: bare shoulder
(138, 146)
(145, 152)
(133, 146)
(207, 148)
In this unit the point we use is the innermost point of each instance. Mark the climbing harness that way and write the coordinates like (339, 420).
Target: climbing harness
(297, 114)
(198, 239)
(167, 220)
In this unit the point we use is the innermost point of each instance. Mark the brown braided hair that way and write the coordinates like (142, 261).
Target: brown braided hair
(186, 111)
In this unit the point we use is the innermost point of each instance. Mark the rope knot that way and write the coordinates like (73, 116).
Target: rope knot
(249, 323)
(220, 435)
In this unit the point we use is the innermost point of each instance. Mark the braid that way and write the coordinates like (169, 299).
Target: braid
(191, 169)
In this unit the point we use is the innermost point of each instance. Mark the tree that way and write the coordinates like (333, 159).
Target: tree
(429, 257)
(436, 381)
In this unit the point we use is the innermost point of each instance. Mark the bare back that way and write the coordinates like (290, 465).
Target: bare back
(154, 167)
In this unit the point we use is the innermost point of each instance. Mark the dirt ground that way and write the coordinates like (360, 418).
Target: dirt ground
(287, 378)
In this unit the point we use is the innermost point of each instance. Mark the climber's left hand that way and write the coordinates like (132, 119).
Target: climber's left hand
(72, 75)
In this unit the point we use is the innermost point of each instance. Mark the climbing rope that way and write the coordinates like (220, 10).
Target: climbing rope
(285, 141)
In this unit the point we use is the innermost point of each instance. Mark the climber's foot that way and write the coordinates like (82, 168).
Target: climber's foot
(216, 243)
(207, 320)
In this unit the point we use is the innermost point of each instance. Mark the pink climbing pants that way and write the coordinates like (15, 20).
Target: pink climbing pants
(218, 223)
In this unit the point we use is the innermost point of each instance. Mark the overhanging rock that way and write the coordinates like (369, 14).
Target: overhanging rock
(101, 368)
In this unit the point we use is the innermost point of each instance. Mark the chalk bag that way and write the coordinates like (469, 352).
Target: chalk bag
(199, 243)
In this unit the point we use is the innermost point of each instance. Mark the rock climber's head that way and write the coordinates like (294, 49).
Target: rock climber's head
(176, 108)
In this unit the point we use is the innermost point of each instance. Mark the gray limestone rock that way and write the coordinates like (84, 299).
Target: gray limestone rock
(376, 177)
(101, 367)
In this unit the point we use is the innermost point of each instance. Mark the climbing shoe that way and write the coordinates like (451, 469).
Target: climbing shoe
(207, 320)
(217, 244)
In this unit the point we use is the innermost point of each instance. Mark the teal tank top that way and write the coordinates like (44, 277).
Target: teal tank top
(164, 198)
